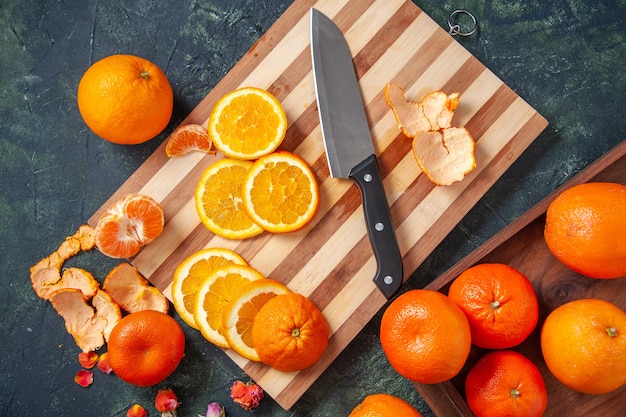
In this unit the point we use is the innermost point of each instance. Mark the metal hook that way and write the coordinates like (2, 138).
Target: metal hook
(455, 28)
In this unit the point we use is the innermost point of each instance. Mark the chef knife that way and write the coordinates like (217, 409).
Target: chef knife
(348, 143)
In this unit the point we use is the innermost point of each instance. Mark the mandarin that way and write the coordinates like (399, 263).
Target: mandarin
(132, 222)
(145, 347)
(239, 314)
(125, 99)
(384, 405)
(425, 336)
(505, 383)
(584, 345)
(585, 227)
(499, 302)
(290, 333)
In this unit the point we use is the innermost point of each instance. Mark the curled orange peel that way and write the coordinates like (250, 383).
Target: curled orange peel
(86, 324)
(132, 292)
(46, 276)
(444, 153)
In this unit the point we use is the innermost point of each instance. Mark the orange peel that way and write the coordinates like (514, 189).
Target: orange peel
(445, 156)
(86, 324)
(46, 277)
(132, 292)
(444, 153)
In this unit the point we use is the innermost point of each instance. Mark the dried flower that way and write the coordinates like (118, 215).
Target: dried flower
(88, 360)
(103, 364)
(84, 378)
(136, 411)
(166, 402)
(215, 410)
(247, 395)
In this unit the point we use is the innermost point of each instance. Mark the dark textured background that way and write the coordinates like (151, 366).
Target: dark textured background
(565, 57)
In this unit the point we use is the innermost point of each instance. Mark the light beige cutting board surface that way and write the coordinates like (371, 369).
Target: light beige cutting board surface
(331, 261)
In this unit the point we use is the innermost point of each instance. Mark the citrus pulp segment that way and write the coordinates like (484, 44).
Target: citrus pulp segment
(280, 192)
(238, 315)
(247, 123)
(218, 200)
(188, 138)
(215, 291)
(192, 271)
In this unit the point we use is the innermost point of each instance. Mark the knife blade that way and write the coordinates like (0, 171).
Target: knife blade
(348, 143)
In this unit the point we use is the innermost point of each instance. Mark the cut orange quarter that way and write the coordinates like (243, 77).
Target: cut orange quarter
(219, 203)
(247, 123)
(238, 315)
(214, 293)
(280, 192)
(188, 138)
(190, 274)
(134, 221)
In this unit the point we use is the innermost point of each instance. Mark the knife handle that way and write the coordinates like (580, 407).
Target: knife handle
(380, 229)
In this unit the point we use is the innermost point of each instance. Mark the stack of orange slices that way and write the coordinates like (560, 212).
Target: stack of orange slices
(255, 188)
(218, 293)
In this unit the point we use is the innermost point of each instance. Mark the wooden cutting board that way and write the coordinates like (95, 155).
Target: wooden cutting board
(522, 246)
(331, 261)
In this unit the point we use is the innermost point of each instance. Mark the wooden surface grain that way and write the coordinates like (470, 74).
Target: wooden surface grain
(331, 260)
(522, 246)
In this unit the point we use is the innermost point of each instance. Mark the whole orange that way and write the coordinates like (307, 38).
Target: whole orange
(425, 336)
(505, 383)
(125, 99)
(500, 304)
(145, 347)
(584, 345)
(585, 227)
(290, 333)
(384, 405)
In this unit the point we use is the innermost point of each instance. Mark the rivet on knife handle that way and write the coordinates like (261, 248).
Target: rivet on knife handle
(379, 226)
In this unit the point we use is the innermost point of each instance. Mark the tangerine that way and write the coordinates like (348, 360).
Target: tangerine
(425, 336)
(125, 99)
(584, 345)
(239, 313)
(505, 383)
(585, 227)
(290, 333)
(384, 405)
(145, 347)
(499, 302)
(132, 222)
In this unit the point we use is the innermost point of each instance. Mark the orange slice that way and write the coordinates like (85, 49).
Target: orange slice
(280, 192)
(134, 221)
(188, 138)
(190, 273)
(247, 123)
(238, 315)
(219, 203)
(214, 293)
